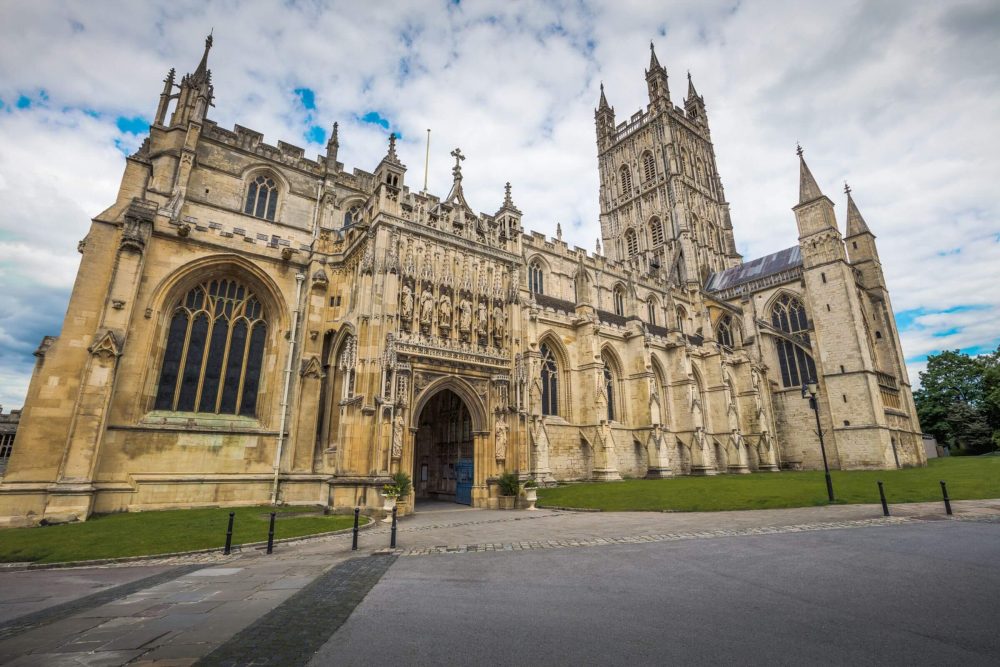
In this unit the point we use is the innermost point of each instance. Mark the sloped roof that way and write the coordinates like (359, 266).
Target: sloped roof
(761, 267)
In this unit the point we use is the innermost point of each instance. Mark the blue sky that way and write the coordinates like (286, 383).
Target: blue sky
(900, 98)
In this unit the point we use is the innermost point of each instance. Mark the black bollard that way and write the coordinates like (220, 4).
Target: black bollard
(229, 535)
(881, 494)
(270, 535)
(354, 541)
(392, 540)
(947, 500)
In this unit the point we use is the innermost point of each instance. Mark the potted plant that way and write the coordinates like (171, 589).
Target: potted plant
(390, 492)
(509, 486)
(401, 481)
(531, 494)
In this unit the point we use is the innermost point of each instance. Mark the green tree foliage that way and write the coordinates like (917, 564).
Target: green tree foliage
(959, 400)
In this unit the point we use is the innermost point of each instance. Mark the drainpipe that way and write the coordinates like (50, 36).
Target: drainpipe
(299, 279)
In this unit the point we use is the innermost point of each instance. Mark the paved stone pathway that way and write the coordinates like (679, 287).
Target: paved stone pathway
(290, 634)
(191, 607)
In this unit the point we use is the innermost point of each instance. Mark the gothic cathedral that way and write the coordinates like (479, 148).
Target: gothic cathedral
(249, 325)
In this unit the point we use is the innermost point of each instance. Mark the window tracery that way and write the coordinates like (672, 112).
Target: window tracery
(550, 381)
(626, 180)
(655, 232)
(797, 367)
(536, 284)
(648, 166)
(619, 299)
(214, 354)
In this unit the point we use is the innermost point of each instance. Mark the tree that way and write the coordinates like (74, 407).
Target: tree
(959, 400)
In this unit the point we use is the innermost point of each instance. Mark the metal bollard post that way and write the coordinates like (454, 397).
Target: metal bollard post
(392, 540)
(947, 500)
(354, 541)
(270, 535)
(881, 494)
(229, 535)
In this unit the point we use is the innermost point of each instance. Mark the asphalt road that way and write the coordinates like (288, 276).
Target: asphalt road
(926, 593)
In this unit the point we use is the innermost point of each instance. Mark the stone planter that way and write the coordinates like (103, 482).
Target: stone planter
(531, 497)
(506, 502)
(388, 504)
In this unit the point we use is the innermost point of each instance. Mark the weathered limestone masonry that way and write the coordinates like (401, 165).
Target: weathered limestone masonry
(252, 325)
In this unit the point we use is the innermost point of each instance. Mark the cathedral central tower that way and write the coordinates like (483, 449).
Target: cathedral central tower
(663, 208)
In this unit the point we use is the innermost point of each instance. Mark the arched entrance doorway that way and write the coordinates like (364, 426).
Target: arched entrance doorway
(443, 450)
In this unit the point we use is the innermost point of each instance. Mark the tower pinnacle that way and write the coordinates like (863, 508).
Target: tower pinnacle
(808, 190)
(855, 222)
(653, 62)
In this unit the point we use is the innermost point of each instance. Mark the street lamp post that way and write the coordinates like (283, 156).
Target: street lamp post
(810, 390)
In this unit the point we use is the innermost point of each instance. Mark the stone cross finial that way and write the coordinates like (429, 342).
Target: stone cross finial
(457, 171)
(507, 201)
(798, 149)
(847, 188)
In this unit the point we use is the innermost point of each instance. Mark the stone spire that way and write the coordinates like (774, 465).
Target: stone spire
(855, 223)
(692, 93)
(808, 190)
(602, 104)
(202, 73)
(653, 62)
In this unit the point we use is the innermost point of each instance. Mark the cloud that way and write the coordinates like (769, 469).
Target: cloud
(899, 98)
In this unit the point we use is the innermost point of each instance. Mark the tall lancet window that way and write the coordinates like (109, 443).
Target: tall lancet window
(797, 366)
(609, 388)
(550, 382)
(215, 351)
(626, 179)
(262, 198)
(536, 278)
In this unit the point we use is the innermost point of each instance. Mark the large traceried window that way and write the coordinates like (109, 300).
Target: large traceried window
(536, 278)
(797, 366)
(215, 351)
(626, 179)
(262, 198)
(550, 381)
(655, 232)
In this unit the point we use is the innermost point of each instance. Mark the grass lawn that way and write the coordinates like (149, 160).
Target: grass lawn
(967, 477)
(143, 533)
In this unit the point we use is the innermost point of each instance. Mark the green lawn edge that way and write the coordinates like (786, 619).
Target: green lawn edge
(968, 478)
(153, 533)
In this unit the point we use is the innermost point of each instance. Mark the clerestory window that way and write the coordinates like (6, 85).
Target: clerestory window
(262, 198)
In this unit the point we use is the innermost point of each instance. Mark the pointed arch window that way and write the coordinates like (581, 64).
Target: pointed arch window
(648, 166)
(724, 332)
(655, 232)
(536, 278)
(352, 216)
(262, 197)
(609, 387)
(632, 242)
(681, 318)
(619, 298)
(550, 381)
(651, 310)
(626, 180)
(215, 351)
(797, 366)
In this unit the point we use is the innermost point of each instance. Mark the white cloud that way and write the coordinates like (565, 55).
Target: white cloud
(900, 98)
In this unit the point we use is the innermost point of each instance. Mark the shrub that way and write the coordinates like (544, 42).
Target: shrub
(509, 484)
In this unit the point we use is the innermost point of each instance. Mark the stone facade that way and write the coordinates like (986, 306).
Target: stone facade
(251, 325)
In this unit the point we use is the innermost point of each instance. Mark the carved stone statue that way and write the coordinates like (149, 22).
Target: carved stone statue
(406, 307)
(501, 431)
(426, 306)
(464, 316)
(398, 425)
(499, 322)
(444, 311)
(481, 319)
